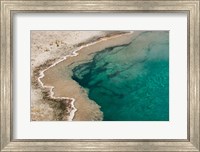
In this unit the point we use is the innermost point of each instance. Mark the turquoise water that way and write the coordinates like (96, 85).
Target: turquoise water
(130, 82)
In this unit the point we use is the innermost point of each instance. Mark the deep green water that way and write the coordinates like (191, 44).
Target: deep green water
(130, 82)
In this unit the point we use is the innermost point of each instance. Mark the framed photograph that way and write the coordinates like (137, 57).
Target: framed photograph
(100, 75)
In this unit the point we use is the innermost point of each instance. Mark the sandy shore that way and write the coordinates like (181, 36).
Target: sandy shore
(57, 82)
(47, 47)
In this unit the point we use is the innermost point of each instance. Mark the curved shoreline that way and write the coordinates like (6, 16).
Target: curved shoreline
(42, 75)
(74, 53)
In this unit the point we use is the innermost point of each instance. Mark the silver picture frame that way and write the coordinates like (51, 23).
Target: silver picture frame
(9, 8)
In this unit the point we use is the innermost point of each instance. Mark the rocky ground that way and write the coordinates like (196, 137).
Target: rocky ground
(50, 46)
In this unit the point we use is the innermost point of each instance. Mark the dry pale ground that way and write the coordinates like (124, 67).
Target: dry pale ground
(46, 45)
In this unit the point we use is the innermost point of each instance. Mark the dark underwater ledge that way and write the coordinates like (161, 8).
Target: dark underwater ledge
(130, 82)
(58, 76)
